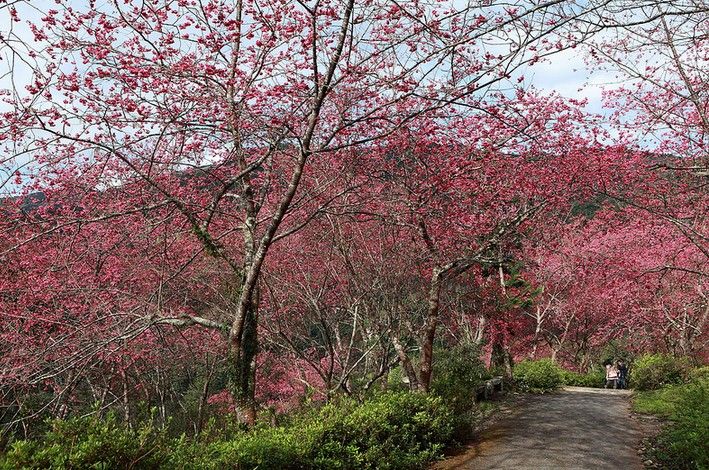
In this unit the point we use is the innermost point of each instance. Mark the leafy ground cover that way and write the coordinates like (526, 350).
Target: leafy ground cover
(391, 431)
(682, 442)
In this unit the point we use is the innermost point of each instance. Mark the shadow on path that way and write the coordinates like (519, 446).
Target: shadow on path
(576, 428)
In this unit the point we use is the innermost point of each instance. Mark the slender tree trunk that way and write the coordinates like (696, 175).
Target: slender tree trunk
(562, 339)
(480, 332)
(555, 352)
(584, 361)
(429, 332)
(203, 401)
(405, 363)
(61, 409)
(539, 317)
(127, 417)
(238, 339)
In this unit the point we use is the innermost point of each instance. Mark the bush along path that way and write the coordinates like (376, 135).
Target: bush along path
(575, 428)
(681, 402)
(391, 431)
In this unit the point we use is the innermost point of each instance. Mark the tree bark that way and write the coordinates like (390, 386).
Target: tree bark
(429, 332)
(203, 401)
(242, 365)
(127, 416)
(405, 363)
(480, 332)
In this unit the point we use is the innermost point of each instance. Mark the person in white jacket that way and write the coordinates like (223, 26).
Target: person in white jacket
(611, 375)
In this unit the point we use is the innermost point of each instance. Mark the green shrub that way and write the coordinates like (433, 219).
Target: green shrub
(90, 442)
(699, 373)
(267, 447)
(682, 443)
(457, 374)
(396, 380)
(537, 376)
(391, 431)
(652, 371)
(685, 439)
(395, 431)
(593, 378)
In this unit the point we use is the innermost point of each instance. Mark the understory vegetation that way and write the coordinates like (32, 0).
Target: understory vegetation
(681, 444)
(653, 371)
(538, 376)
(394, 430)
(543, 375)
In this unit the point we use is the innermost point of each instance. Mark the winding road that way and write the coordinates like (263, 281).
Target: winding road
(576, 428)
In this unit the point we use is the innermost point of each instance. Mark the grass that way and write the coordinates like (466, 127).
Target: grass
(660, 402)
(681, 444)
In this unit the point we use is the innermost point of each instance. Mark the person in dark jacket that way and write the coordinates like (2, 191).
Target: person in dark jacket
(622, 374)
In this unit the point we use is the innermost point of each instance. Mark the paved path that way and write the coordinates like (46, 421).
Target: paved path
(577, 428)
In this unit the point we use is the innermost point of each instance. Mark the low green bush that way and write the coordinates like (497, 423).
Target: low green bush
(653, 371)
(682, 443)
(593, 378)
(90, 442)
(402, 430)
(537, 376)
(699, 373)
(457, 374)
(264, 447)
(391, 431)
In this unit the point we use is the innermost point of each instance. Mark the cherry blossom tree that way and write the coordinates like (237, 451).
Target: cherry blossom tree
(212, 172)
(246, 95)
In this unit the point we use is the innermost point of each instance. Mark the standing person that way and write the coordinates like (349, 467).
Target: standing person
(611, 375)
(622, 374)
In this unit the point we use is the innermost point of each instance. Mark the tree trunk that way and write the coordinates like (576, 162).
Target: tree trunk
(203, 400)
(554, 352)
(429, 332)
(537, 332)
(480, 332)
(242, 360)
(127, 416)
(405, 363)
(501, 358)
(508, 364)
(61, 408)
